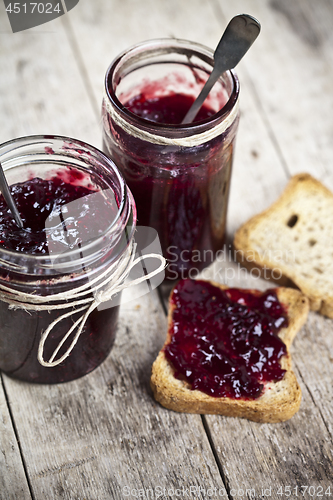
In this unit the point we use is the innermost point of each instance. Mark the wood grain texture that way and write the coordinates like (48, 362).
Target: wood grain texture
(103, 435)
(291, 71)
(41, 86)
(251, 188)
(295, 453)
(298, 452)
(255, 457)
(93, 437)
(104, 28)
(314, 348)
(41, 92)
(13, 481)
(261, 456)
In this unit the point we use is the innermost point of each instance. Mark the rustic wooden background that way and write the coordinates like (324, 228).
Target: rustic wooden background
(103, 436)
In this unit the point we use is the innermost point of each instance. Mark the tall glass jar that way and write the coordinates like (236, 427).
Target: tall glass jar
(30, 282)
(179, 174)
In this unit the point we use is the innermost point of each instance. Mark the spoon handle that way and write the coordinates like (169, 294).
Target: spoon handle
(4, 188)
(238, 37)
(194, 109)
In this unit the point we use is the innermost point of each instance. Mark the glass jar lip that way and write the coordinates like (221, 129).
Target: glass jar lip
(29, 140)
(159, 128)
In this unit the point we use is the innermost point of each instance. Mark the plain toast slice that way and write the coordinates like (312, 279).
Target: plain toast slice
(292, 241)
(279, 400)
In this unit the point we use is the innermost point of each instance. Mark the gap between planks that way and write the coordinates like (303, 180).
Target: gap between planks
(16, 437)
(80, 64)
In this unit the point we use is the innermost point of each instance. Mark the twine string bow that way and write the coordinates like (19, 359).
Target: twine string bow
(84, 299)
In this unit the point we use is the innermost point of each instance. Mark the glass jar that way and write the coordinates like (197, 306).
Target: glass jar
(33, 285)
(179, 174)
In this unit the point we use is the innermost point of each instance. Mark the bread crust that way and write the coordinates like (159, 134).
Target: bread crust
(279, 401)
(246, 243)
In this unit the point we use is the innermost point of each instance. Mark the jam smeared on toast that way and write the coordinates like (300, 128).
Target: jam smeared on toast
(225, 342)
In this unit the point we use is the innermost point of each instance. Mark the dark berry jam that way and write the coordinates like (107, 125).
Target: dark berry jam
(225, 343)
(169, 109)
(182, 192)
(39, 203)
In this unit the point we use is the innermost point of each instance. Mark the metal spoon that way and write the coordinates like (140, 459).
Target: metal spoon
(4, 188)
(238, 37)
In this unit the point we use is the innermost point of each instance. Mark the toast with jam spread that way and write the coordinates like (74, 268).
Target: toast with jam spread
(292, 241)
(192, 322)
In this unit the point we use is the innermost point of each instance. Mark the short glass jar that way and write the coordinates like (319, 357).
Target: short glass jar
(179, 174)
(53, 276)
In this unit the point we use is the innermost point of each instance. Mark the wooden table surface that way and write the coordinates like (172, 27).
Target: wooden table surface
(103, 436)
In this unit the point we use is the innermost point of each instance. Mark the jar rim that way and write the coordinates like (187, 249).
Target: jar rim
(95, 156)
(160, 128)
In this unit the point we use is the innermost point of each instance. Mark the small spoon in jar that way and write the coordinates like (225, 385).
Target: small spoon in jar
(238, 37)
(4, 188)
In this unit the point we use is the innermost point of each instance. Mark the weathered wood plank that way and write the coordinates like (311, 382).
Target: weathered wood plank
(114, 444)
(104, 28)
(314, 359)
(103, 435)
(292, 454)
(291, 72)
(35, 99)
(297, 452)
(308, 25)
(13, 482)
(41, 87)
(260, 173)
(258, 176)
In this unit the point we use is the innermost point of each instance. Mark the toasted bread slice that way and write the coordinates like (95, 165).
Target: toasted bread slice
(292, 241)
(279, 400)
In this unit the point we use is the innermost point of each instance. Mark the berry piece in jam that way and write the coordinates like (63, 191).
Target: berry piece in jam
(225, 343)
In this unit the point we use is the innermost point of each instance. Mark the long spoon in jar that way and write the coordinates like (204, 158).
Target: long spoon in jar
(4, 188)
(238, 37)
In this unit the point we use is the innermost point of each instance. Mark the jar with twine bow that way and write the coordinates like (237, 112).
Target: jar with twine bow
(59, 309)
(178, 173)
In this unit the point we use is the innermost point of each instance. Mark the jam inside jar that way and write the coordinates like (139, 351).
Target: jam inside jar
(79, 219)
(179, 174)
